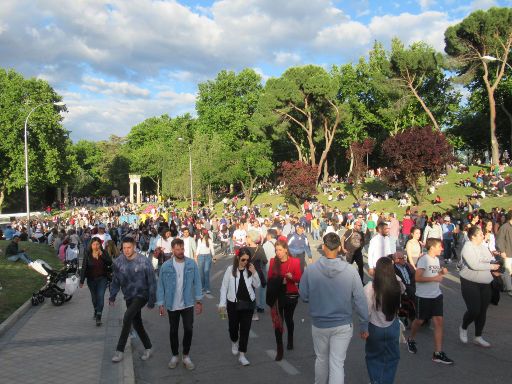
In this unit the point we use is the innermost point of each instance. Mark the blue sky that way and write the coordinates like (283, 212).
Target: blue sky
(119, 62)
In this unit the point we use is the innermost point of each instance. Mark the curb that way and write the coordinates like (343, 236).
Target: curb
(15, 316)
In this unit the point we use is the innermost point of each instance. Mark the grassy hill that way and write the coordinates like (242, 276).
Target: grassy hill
(450, 193)
(19, 281)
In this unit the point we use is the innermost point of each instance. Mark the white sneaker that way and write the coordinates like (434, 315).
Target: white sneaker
(234, 348)
(481, 342)
(243, 360)
(146, 355)
(255, 317)
(463, 335)
(118, 356)
(188, 363)
(173, 363)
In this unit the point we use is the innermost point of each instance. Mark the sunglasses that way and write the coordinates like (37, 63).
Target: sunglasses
(244, 260)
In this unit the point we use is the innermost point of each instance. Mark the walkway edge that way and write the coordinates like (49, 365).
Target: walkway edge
(15, 316)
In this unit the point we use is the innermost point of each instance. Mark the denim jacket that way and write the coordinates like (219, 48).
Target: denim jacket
(192, 289)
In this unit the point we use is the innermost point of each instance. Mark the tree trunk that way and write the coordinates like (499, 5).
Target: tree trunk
(2, 197)
(210, 195)
(492, 123)
(326, 171)
(351, 162)
(158, 187)
(424, 106)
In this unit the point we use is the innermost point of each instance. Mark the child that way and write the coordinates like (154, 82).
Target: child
(429, 299)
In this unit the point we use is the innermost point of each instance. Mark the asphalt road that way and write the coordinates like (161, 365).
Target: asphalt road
(211, 348)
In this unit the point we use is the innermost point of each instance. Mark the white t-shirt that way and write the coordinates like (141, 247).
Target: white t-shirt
(104, 238)
(380, 246)
(178, 302)
(165, 244)
(187, 247)
(431, 268)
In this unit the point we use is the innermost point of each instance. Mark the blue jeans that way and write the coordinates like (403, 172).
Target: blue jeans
(204, 262)
(20, 256)
(382, 353)
(97, 287)
(316, 234)
(447, 244)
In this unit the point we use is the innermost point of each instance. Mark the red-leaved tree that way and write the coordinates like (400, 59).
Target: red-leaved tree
(300, 180)
(415, 158)
(357, 153)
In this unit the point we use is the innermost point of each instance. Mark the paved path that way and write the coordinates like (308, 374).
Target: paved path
(62, 344)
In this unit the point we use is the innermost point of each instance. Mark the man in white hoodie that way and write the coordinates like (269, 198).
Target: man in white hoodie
(332, 288)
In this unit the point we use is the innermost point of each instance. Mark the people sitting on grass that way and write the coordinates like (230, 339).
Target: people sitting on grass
(14, 253)
(437, 200)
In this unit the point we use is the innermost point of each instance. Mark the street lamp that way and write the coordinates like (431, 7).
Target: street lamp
(27, 198)
(190, 173)
(490, 59)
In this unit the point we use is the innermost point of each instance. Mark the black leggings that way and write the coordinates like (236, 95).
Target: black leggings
(132, 316)
(286, 309)
(477, 297)
(239, 325)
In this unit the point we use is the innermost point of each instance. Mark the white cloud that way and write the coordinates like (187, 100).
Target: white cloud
(112, 88)
(96, 119)
(347, 35)
(287, 58)
(428, 26)
(426, 4)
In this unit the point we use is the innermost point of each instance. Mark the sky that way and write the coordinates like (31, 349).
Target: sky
(119, 62)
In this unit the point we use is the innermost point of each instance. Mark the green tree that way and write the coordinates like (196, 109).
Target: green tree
(483, 34)
(302, 105)
(49, 158)
(226, 104)
(419, 69)
(249, 164)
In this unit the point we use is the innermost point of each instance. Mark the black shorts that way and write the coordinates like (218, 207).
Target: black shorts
(427, 308)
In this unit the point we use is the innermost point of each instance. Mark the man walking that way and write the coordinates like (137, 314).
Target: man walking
(332, 287)
(298, 246)
(504, 245)
(380, 246)
(179, 290)
(133, 274)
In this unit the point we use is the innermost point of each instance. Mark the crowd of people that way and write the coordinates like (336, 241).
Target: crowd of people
(163, 258)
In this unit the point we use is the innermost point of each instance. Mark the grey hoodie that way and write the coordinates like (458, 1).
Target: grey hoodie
(332, 287)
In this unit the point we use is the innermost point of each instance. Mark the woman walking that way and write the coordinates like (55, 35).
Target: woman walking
(285, 269)
(96, 268)
(413, 247)
(382, 345)
(237, 295)
(205, 252)
(475, 279)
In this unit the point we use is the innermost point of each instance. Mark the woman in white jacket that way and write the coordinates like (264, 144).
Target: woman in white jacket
(237, 295)
(475, 279)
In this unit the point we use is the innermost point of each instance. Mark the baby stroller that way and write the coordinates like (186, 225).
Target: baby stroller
(60, 285)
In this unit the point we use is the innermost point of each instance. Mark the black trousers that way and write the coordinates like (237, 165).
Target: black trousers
(302, 257)
(477, 297)
(239, 325)
(358, 259)
(187, 316)
(286, 309)
(132, 316)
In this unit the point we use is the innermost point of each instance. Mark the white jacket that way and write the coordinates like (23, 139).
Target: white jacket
(230, 285)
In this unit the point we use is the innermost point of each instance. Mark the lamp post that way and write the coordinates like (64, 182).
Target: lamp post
(190, 173)
(27, 195)
(490, 59)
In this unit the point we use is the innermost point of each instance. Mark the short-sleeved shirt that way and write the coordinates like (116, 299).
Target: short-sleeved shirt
(431, 268)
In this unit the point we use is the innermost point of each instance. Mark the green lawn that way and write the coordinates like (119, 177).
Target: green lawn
(449, 193)
(19, 281)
